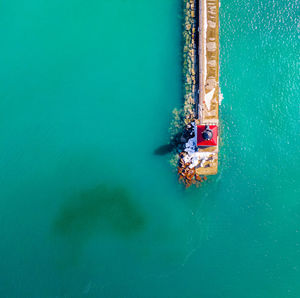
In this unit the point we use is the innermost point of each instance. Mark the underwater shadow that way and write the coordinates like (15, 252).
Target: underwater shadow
(104, 211)
(99, 209)
(175, 143)
(164, 149)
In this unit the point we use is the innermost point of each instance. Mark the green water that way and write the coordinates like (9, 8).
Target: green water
(87, 210)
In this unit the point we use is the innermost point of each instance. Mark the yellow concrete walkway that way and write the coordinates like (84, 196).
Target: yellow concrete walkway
(209, 76)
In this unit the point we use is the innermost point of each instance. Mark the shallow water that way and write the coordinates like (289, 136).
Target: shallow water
(86, 98)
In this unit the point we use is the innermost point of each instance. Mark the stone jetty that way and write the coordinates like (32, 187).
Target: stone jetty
(198, 155)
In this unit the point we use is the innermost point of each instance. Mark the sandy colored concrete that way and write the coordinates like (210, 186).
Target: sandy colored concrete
(209, 79)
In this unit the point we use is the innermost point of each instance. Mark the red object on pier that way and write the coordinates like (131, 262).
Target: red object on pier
(203, 142)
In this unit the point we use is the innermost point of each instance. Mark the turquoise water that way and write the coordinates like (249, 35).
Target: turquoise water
(87, 210)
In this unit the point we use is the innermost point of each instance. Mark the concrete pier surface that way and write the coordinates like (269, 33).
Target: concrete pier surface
(208, 100)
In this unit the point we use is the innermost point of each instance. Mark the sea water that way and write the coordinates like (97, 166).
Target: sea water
(88, 210)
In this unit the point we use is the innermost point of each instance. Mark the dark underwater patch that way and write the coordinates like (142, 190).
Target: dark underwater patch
(98, 210)
(176, 142)
(164, 149)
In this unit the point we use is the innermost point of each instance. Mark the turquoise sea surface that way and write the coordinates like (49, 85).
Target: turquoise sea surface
(86, 207)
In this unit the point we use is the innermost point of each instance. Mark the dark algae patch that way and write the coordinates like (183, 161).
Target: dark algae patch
(98, 210)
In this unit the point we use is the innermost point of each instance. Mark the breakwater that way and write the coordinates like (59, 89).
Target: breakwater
(201, 92)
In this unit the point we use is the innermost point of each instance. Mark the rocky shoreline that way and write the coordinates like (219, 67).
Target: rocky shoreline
(190, 37)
